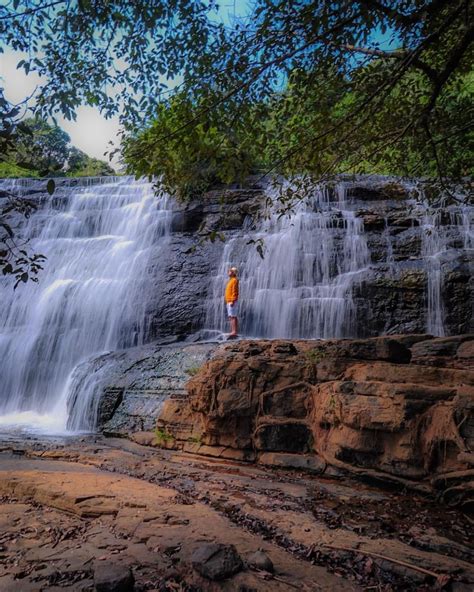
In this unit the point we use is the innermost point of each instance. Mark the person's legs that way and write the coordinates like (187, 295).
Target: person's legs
(233, 326)
(231, 313)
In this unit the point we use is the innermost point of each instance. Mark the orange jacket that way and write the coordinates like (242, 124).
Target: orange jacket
(232, 290)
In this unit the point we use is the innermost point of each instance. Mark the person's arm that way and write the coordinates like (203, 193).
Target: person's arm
(235, 291)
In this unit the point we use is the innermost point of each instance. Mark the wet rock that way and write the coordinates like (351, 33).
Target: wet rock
(110, 400)
(111, 577)
(216, 561)
(260, 560)
(135, 383)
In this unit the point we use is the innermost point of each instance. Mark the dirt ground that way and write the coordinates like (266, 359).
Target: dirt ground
(68, 508)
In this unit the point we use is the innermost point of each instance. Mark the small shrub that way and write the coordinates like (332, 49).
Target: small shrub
(195, 440)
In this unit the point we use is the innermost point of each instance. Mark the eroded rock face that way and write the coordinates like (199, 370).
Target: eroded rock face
(390, 299)
(401, 406)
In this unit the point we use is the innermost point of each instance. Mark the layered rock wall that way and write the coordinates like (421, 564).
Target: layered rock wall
(391, 298)
(396, 408)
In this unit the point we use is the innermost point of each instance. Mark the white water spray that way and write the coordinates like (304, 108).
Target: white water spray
(303, 286)
(90, 298)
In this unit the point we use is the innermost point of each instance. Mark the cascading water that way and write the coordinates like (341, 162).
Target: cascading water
(90, 298)
(316, 258)
(106, 241)
(436, 244)
(303, 286)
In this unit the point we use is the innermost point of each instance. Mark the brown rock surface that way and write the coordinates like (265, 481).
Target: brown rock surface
(55, 530)
(398, 407)
(319, 533)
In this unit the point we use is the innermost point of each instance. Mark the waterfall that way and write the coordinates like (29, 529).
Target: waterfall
(436, 244)
(303, 286)
(114, 264)
(313, 261)
(90, 299)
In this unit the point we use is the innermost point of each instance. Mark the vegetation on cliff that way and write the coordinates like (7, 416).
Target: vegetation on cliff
(345, 85)
(39, 149)
(221, 148)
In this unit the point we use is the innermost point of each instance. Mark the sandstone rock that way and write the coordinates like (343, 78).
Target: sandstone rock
(348, 404)
(380, 348)
(110, 577)
(307, 462)
(289, 437)
(216, 561)
(290, 401)
(465, 353)
(440, 352)
(260, 560)
(144, 438)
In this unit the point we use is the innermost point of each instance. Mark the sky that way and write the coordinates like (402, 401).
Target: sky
(91, 132)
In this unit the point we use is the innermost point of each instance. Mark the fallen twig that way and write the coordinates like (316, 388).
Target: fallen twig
(391, 559)
(262, 574)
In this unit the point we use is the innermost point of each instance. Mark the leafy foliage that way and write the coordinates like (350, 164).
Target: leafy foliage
(45, 150)
(80, 164)
(207, 153)
(326, 56)
(15, 259)
(41, 147)
(300, 86)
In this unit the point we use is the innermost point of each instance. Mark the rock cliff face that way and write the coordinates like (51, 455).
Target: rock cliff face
(418, 264)
(363, 258)
(398, 409)
(418, 261)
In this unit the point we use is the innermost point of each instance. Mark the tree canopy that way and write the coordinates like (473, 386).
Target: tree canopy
(35, 148)
(308, 86)
(39, 149)
(300, 55)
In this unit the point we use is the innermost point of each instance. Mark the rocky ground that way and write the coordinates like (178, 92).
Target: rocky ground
(97, 514)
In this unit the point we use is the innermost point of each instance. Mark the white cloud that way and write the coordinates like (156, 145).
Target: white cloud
(90, 132)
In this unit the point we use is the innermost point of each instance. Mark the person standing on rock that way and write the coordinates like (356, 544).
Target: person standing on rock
(231, 300)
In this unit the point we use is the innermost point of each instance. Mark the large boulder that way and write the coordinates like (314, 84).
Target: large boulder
(400, 406)
(216, 561)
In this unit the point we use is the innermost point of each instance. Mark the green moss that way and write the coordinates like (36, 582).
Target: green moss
(162, 436)
(193, 370)
(314, 356)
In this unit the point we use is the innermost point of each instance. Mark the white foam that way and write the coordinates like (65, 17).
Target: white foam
(32, 421)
